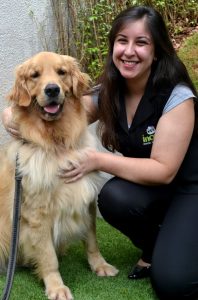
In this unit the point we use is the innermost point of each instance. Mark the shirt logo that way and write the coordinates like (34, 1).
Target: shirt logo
(148, 137)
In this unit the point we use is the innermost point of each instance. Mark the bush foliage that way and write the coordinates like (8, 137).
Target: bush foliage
(82, 27)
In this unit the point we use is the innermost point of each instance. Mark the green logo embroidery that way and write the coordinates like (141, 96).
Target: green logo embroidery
(148, 138)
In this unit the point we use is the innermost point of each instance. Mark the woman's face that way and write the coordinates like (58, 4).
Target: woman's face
(133, 51)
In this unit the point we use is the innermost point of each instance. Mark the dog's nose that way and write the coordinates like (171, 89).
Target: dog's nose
(52, 90)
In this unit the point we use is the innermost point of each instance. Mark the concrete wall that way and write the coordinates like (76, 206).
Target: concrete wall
(24, 26)
(25, 29)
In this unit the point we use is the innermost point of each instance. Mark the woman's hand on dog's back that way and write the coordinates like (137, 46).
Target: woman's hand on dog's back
(86, 164)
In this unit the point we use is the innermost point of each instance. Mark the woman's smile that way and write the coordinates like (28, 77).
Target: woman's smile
(129, 63)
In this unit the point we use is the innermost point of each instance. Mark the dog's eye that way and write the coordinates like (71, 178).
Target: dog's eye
(61, 72)
(36, 74)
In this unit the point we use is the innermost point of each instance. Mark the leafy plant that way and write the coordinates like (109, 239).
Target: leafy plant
(96, 28)
(82, 27)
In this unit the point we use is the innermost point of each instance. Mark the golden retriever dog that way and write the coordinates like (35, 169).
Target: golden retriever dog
(46, 103)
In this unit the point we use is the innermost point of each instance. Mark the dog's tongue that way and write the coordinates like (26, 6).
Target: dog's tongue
(52, 109)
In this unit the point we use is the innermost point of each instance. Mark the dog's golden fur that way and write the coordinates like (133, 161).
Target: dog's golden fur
(52, 122)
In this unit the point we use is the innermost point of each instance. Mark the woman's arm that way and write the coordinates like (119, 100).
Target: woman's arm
(91, 108)
(172, 138)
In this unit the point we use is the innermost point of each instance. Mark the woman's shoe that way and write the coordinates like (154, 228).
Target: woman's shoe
(139, 272)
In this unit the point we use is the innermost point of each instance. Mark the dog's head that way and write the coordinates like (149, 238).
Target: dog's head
(46, 81)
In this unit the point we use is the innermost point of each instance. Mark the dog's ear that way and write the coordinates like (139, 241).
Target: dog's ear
(19, 92)
(80, 81)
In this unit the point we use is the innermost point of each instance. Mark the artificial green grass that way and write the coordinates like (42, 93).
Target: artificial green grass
(84, 284)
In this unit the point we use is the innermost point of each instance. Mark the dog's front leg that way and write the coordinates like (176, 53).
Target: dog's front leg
(55, 288)
(39, 249)
(95, 259)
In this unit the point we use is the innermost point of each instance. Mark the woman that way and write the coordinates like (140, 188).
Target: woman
(147, 111)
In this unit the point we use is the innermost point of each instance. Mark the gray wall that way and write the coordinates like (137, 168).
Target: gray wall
(23, 29)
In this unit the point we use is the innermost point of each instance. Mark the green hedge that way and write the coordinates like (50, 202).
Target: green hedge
(89, 22)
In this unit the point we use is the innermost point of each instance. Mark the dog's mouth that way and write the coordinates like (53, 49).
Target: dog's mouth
(51, 111)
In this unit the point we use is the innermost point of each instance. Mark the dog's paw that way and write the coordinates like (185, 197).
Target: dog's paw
(106, 269)
(60, 293)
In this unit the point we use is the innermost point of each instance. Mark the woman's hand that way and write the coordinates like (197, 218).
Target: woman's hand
(86, 164)
(10, 126)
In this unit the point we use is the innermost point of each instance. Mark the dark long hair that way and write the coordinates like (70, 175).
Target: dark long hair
(167, 68)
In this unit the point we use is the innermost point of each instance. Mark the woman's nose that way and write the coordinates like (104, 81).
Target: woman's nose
(130, 49)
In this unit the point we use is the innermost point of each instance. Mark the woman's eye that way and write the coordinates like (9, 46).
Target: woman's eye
(122, 41)
(142, 43)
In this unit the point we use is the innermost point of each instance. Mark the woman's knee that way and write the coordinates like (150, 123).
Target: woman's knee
(121, 199)
(110, 199)
(125, 198)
